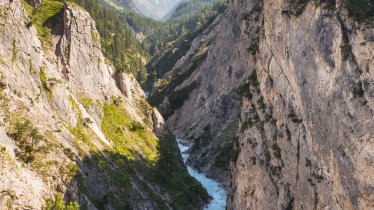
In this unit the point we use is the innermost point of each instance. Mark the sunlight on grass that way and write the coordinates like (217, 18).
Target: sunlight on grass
(129, 140)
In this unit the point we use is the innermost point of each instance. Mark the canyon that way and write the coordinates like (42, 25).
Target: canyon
(75, 132)
(269, 102)
(277, 97)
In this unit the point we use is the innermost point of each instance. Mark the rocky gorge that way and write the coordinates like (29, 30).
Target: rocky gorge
(274, 99)
(76, 133)
(277, 97)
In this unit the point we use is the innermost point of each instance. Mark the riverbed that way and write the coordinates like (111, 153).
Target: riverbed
(215, 190)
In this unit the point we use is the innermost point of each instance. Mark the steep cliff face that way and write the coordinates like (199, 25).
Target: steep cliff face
(300, 73)
(72, 126)
(200, 95)
(307, 126)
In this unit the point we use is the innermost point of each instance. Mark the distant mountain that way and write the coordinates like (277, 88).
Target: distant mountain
(119, 5)
(155, 9)
(129, 4)
(187, 8)
(172, 10)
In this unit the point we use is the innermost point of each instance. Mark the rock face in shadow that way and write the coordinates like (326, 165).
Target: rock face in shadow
(301, 76)
(201, 99)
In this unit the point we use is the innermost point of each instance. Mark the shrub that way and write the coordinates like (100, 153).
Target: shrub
(135, 126)
(26, 138)
(14, 51)
(328, 4)
(288, 132)
(358, 91)
(79, 133)
(70, 154)
(128, 135)
(360, 10)
(44, 86)
(41, 15)
(277, 151)
(59, 204)
(86, 101)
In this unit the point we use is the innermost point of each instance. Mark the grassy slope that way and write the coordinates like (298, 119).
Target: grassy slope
(135, 155)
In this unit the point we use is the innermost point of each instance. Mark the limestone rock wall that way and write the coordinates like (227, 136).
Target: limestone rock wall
(307, 121)
(49, 89)
(300, 73)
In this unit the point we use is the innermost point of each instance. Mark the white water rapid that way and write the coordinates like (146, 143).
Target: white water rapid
(214, 189)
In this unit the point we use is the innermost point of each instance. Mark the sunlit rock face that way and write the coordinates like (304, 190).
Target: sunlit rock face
(156, 9)
(307, 129)
(54, 100)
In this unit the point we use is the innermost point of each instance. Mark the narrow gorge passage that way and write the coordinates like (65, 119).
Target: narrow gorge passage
(215, 190)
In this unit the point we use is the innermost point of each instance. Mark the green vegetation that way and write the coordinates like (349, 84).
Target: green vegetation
(2, 87)
(229, 151)
(127, 135)
(360, 10)
(346, 50)
(295, 7)
(288, 133)
(166, 55)
(188, 20)
(136, 154)
(26, 137)
(276, 150)
(358, 90)
(14, 51)
(188, 9)
(186, 192)
(294, 116)
(308, 163)
(43, 78)
(31, 67)
(59, 204)
(41, 18)
(86, 101)
(3, 61)
(11, 195)
(251, 84)
(70, 154)
(138, 159)
(79, 132)
(44, 87)
(328, 4)
(176, 80)
(117, 40)
(116, 29)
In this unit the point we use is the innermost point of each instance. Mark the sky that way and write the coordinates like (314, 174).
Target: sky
(155, 9)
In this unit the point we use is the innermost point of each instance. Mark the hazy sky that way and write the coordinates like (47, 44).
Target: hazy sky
(155, 8)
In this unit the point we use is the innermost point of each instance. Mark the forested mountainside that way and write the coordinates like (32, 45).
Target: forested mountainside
(121, 5)
(278, 98)
(186, 9)
(118, 42)
(171, 43)
(130, 40)
(155, 9)
(76, 132)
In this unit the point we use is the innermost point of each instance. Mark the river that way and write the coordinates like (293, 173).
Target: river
(214, 189)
